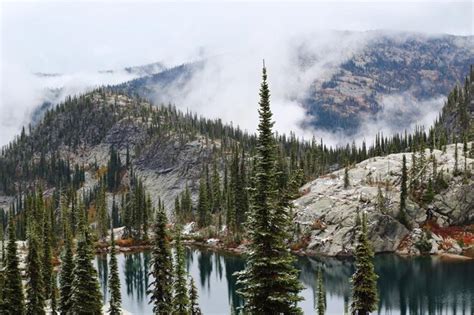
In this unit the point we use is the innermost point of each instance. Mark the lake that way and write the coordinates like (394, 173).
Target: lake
(421, 285)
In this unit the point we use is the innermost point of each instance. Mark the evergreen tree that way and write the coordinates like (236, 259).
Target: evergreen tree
(86, 296)
(161, 290)
(102, 215)
(203, 206)
(193, 299)
(114, 280)
(364, 279)
(12, 291)
(47, 258)
(180, 298)
(321, 309)
(66, 277)
(346, 177)
(34, 285)
(54, 293)
(269, 282)
(402, 216)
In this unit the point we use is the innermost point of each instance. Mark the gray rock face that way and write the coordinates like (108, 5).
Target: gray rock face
(326, 212)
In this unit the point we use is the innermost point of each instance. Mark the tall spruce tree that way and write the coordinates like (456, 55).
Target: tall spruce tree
(86, 296)
(270, 281)
(402, 216)
(203, 205)
(34, 285)
(161, 289)
(194, 308)
(66, 276)
(115, 300)
(12, 291)
(364, 279)
(47, 257)
(180, 298)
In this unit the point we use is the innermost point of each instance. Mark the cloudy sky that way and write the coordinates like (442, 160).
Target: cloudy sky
(79, 38)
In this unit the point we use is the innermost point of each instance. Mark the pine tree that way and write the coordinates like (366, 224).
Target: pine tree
(193, 299)
(86, 296)
(402, 216)
(346, 178)
(180, 298)
(54, 293)
(114, 280)
(203, 206)
(364, 279)
(269, 282)
(321, 309)
(102, 215)
(12, 291)
(161, 290)
(47, 258)
(66, 277)
(34, 285)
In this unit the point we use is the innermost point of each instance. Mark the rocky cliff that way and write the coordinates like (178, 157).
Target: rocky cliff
(326, 213)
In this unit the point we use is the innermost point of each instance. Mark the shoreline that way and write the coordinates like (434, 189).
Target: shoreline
(219, 247)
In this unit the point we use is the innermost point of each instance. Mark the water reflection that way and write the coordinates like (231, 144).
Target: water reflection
(406, 286)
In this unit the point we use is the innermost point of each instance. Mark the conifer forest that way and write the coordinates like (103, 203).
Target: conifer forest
(237, 158)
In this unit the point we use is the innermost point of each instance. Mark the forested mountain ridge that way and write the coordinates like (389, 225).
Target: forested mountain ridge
(375, 75)
(108, 146)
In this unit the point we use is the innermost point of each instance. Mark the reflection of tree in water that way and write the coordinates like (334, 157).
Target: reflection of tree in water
(136, 277)
(233, 264)
(103, 271)
(414, 286)
(205, 267)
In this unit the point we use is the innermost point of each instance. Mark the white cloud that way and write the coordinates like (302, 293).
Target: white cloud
(79, 38)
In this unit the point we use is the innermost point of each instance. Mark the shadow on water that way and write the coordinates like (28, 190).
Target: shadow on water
(424, 285)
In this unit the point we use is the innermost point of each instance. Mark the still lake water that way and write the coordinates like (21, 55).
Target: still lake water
(423, 285)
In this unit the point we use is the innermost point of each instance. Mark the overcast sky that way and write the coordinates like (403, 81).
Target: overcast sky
(72, 36)
(79, 38)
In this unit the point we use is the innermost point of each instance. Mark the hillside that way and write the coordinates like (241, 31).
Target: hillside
(326, 213)
(382, 67)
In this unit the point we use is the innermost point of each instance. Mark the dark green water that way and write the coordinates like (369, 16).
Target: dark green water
(423, 285)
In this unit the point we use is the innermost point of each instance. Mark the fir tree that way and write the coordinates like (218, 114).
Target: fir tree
(54, 293)
(180, 298)
(34, 285)
(402, 216)
(161, 290)
(86, 296)
(269, 282)
(114, 280)
(346, 177)
(203, 206)
(66, 277)
(47, 258)
(321, 309)
(364, 279)
(12, 291)
(193, 299)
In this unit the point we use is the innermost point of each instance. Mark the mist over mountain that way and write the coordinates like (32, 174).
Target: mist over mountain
(342, 86)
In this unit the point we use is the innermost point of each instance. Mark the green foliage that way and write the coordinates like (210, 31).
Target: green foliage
(364, 279)
(12, 291)
(180, 298)
(203, 205)
(402, 215)
(423, 244)
(115, 300)
(34, 285)
(346, 177)
(193, 299)
(161, 290)
(86, 296)
(269, 282)
(66, 276)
